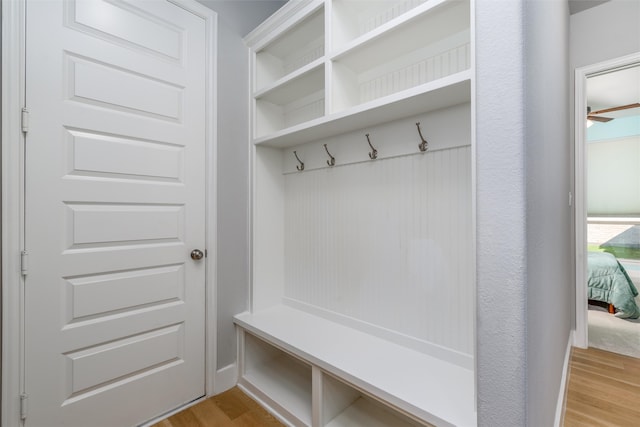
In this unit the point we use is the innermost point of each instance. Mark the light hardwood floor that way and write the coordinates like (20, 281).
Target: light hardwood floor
(232, 408)
(603, 389)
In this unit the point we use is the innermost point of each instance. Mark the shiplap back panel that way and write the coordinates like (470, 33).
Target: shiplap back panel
(386, 242)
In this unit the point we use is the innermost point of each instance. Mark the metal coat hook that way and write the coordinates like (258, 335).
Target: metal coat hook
(332, 161)
(424, 144)
(374, 153)
(300, 167)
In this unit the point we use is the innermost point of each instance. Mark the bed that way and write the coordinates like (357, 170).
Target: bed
(608, 282)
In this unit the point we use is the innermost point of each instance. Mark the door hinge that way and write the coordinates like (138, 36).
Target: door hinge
(25, 120)
(24, 262)
(23, 406)
(570, 198)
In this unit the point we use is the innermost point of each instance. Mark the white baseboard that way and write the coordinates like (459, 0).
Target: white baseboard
(225, 379)
(562, 392)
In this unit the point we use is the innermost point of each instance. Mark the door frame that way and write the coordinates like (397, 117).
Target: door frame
(581, 336)
(12, 196)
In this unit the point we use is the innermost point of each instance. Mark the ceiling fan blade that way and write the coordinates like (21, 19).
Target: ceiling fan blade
(599, 119)
(622, 107)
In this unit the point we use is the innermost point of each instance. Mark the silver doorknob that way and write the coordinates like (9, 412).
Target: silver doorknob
(197, 254)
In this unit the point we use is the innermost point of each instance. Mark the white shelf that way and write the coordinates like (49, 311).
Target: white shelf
(298, 46)
(365, 413)
(400, 66)
(299, 100)
(297, 75)
(344, 406)
(298, 86)
(279, 378)
(419, 49)
(422, 26)
(354, 20)
(445, 92)
(425, 387)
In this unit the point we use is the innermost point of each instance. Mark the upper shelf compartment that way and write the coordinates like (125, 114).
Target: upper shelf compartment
(427, 43)
(416, 57)
(435, 95)
(294, 49)
(353, 18)
(298, 100)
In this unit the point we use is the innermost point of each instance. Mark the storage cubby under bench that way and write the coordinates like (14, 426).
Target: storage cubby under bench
(306, 351)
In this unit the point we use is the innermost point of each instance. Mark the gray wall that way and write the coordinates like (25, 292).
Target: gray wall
(235, 18)
(525, 286)
(500, 213)
(607, 31)
(550, 288)
(523, 217)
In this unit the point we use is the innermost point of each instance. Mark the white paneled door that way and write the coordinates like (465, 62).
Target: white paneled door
(115, 204)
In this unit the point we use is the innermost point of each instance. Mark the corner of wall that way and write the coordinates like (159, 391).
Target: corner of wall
(225, 379)
(548, 213)
(500, 214)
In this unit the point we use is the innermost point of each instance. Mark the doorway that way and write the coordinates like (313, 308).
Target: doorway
(607, 216)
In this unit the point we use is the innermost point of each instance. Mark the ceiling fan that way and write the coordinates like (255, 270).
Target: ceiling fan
(595, 115)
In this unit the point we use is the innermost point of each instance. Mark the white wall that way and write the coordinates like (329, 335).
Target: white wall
(549, 261)
(602, 33)
(501, 213)
(386, 245)
(607, 31)
(522, 184)
(235, 19)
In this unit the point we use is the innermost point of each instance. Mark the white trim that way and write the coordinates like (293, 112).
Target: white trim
(250, 196)
(253, 215)
(580, 335)
(613, 220)
(581, 338)
(474, 198)
(562, 392)
(13, 19)
(211, 212)
(13, 60)
(211, 221)
(226, 378)
(284, 17)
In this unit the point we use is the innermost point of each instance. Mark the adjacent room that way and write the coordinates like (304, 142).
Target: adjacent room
(613, 209)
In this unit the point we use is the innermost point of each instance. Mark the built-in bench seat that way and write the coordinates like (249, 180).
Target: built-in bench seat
(417, 385)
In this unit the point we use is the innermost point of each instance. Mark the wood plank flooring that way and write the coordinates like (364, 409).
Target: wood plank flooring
(232, 408)
(603, 389)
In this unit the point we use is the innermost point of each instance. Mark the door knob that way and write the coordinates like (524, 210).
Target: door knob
(197, 254)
